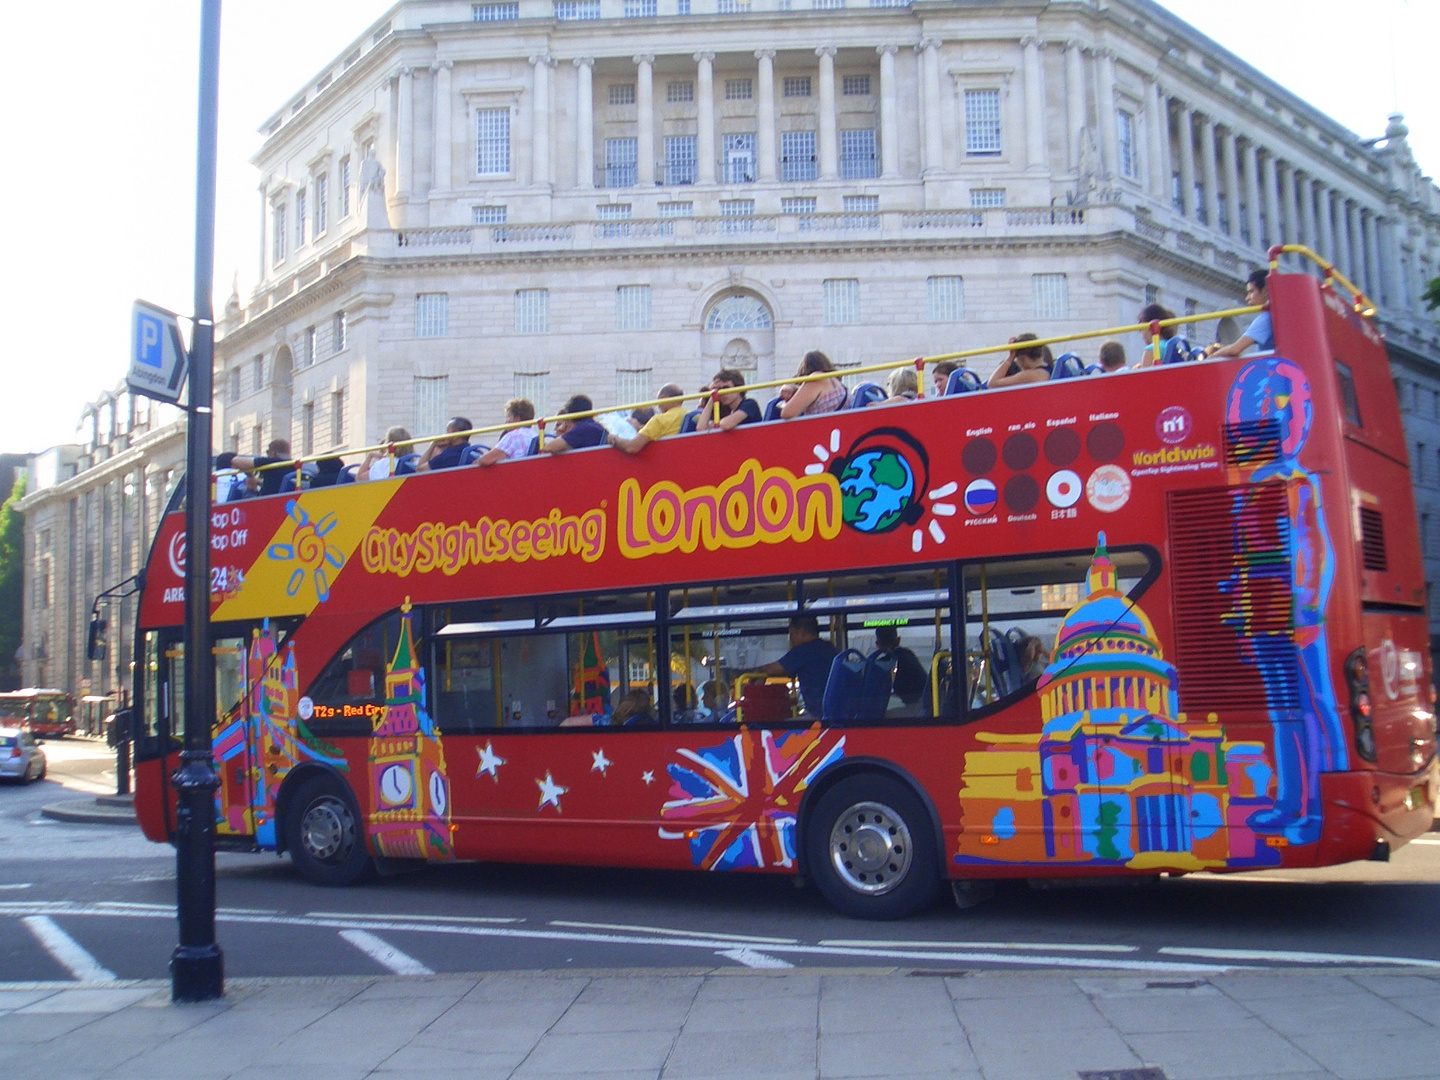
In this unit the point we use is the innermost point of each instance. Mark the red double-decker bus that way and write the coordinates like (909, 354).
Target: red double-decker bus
(1169, 621)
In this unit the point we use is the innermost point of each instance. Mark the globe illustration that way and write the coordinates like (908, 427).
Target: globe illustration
(876, 487)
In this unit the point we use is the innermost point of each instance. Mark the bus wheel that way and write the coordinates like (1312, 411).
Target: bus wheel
(322, 831)
(871, 849)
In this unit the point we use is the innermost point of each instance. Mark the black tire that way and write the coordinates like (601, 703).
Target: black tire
(325, 834)
(44, 765)
(893, 870)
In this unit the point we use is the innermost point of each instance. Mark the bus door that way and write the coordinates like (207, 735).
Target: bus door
(234, 735)
(158, 726)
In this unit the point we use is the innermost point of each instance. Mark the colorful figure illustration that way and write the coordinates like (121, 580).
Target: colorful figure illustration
(1116, 775)
(737, 802)
(1309, 736)
(409, 789)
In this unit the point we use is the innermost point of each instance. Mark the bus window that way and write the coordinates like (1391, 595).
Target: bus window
(230, 673)
(149, 718)
(1348, 399)
(356, 677)
(1013, 611)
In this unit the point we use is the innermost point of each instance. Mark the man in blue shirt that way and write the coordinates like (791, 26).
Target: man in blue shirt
(808, 661)
(445, 453)
(1260, 336)
(576, 434)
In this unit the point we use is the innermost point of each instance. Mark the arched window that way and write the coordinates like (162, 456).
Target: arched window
(739, 312)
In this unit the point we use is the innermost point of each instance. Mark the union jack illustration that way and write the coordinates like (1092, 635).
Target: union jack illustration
(736, 802)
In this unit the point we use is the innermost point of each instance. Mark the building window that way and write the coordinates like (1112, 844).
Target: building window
(277, 247)
(796, 86)
(632, 310)
(1050, 296)
(487, 215)
(337, 417)
(982, 122)
(532, 311)
(620, 158)
(797, 155)
(492, 142)
(1177, 195)
(739, 89)
(739, 312)
(322, 203)
(612, 214)
(432, 410)
(235, 387)
(259, 365)
(308, 354)
(1152, 294)
(733, 7)
(300, 220)
(339, 334)
(682, 7)
(677, 209)
(257, 433)
(622, 93)
(842, 301)
(1420, 463)
(344, 187)
(632, 386)
(739, 153)
(1202, 212)
(857, 155)
(737, 207)
(676, 92)
(986, 198)
(680, 159)
(639, 9)
(855, 85)
(534, 387)
(1222, 204)
(432, 314)
(571, 10)
(1125, 131)
(798, 204)
(307, 428)
(1243, 213)
(495, 12)
(945, 296)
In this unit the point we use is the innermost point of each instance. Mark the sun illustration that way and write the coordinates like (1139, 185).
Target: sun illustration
(881, 478)
(308, 548)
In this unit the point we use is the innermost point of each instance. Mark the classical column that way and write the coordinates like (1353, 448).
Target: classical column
(1210, 171)
(1074, 102)
(1344, 249)
(443, 170)
(827, 136)
(1392, 268)
(1325, 211)
(540, 120)
(1374, 281)
(1308, 226)
(1034, 104)
(929, 50)
(1232, 181)
(765, 111)
(889, 122)
(705, 115)
(1187, 161)
(584, 122)
(1252, 194)
(1156, 122)
(1108, 126)
(645, 117)
(1287, 202)
(405, 135)
(1270, 191)
(264, 232)
(1167, 160)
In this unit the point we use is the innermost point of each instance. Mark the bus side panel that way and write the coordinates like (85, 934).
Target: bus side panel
(151, 793)
(1382, 520)
(1402, 716)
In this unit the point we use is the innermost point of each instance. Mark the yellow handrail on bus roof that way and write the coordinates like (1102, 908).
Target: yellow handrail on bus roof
(1363, 307)
(919, 362)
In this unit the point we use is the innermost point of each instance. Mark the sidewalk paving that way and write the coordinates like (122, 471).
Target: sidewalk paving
(724, 1024)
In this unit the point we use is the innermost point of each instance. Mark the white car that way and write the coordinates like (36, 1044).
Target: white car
(21, 759)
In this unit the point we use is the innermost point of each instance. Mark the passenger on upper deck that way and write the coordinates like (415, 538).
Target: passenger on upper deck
(445, 453)
(665, 422)
(515, 443)
(270, 479)
(903, 387)
(819, 396)
(728, 387)
(1261, 333)
(1022, 366)
(1148, 314)
(942, 372)
(378, 464)
(1112, 358)
(576, 434)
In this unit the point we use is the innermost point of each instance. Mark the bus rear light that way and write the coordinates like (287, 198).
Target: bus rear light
(1362, 704)
(1357, 679)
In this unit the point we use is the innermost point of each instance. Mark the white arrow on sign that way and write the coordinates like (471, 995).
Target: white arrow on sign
(157, 353)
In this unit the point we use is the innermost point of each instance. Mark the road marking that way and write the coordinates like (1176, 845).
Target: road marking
(752, 938)
(1015, 945)
(1426, 840)
(68, 952)
(360, 916)
(752, 959)
(1292, 957)
(385, 954)
(25, 885)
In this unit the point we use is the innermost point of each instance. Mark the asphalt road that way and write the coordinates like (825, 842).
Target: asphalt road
(97, 902)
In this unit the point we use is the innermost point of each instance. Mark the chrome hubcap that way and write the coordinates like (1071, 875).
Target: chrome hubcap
(870, 848)
(327, 829)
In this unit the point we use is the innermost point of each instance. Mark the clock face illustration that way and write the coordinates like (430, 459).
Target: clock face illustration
(438, 798)
(396, 784)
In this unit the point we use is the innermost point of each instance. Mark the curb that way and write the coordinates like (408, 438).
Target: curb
(102, 810)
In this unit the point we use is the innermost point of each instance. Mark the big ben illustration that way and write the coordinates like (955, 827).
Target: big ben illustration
(409, 791)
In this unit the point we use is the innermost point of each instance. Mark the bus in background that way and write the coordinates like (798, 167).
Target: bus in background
(41, 712)
(1171, 621)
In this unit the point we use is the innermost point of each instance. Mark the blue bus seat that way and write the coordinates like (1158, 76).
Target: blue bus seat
(963, 381)
(472, 452)
(348, 474)
(688, 424)
(865, 395)
(1094, 369)
(1067, 366)
(772, 408)
(859, 686)
(1178, 350)
(404, 466)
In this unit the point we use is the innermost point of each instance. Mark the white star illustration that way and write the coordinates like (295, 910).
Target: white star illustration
(490, 762)
(648, 777)
(550, 792)
(601, 762)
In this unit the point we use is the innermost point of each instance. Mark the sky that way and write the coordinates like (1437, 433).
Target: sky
(99, 189)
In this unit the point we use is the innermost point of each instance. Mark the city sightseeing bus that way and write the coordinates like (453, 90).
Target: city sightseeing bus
(1219, 558)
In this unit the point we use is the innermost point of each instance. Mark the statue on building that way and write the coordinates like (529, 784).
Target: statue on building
(372, 194)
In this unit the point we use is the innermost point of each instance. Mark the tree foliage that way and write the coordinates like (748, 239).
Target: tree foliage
(12, 574)
(1432, 295)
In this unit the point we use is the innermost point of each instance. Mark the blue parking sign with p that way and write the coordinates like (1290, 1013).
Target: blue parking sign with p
(149, 341)
(157, 353)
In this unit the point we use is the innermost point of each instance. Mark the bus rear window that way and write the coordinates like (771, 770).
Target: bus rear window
(1348, 401)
